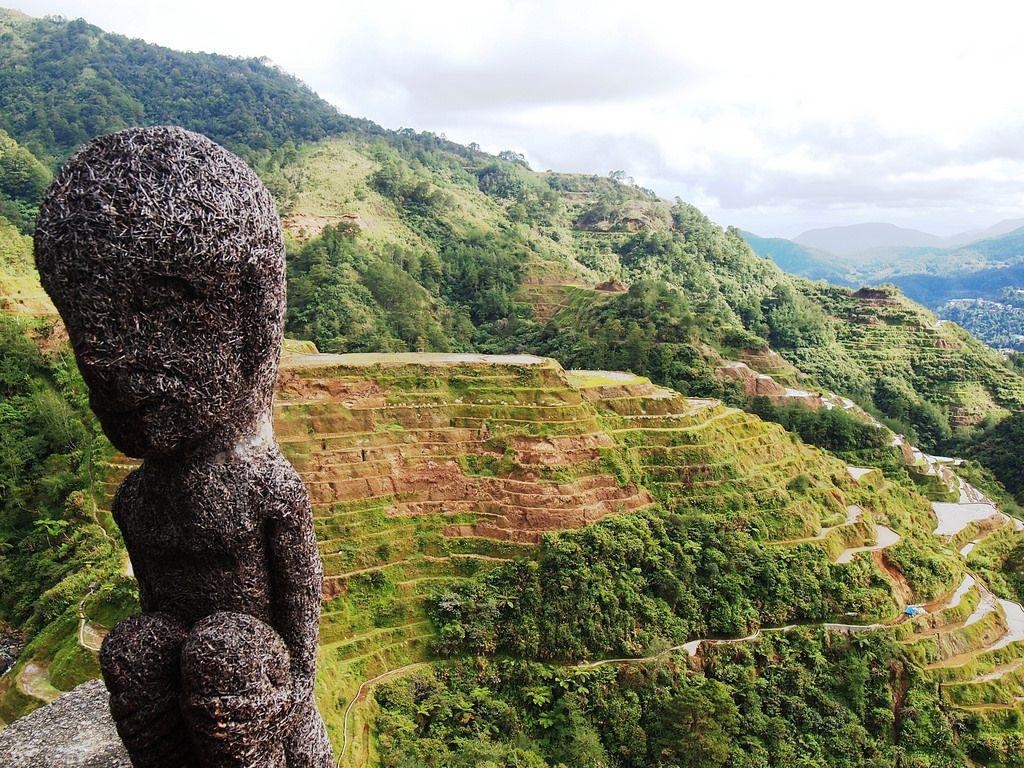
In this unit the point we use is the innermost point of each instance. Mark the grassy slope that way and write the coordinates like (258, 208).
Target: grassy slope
(332, 184)
(20, 291)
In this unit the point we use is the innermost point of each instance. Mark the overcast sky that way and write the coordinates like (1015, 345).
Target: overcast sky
(773, 116)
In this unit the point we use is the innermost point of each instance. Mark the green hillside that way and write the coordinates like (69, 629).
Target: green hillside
(433, 249)
(23, 178)
(949, 281)
(435, 246)
(497, 532)
(914, 367)
(65, 82)
(596, 556)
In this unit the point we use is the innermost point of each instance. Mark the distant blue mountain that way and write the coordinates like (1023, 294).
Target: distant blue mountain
(935, 290)
(799, 259)
(853, 239)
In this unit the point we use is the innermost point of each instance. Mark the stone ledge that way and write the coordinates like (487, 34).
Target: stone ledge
(75, 731)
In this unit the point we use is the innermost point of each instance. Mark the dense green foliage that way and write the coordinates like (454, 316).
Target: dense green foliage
(801, 699)
(630, 584)
(890, 354)
(50, 456)
(348, 299)
(650, 330)
(999, 446)
(23, 179)
(65, 82)
(999, 324)
(834, 429)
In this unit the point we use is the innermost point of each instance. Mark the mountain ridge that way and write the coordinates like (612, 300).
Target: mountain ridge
(987, 268)
(852, 239)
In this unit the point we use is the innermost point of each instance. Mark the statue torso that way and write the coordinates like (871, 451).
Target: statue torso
(199, 532)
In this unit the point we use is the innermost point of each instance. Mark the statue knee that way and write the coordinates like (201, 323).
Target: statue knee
(141, 664)
(235, 669)
(142, 654)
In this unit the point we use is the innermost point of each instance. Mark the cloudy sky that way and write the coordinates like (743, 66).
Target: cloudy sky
(773, 116)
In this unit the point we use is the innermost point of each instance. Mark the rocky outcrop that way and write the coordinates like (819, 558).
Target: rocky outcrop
(10, 647)
(75, 731)
(628, 216)
(754, 384)
(876, 295)
(614, 285)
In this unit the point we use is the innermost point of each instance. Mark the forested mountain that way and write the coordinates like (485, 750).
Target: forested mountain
(523, 560)
(64, 82)
(430, 248)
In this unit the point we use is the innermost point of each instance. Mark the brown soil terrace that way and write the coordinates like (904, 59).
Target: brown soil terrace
(353, 440)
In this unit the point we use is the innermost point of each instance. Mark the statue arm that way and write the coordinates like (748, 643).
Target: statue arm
(120, 510)
(297, 575)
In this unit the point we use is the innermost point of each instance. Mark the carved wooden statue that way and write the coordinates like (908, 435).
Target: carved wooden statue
(163, 253)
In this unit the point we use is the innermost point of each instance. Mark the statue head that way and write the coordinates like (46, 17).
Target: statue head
(163, 253)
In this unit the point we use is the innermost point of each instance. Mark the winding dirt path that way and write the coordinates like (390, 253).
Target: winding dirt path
(989, 707)
(953, 517)
(999, 672)
(885, 537)
(361, 693)
(90, 636)
(945, 604)
(853, 515)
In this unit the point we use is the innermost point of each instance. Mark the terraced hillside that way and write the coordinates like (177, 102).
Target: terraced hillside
(972, 644)
(888, 336)
(425, 470)
(430, 471)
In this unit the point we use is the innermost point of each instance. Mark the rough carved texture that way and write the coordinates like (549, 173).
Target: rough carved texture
(163, 253)
(75, 731)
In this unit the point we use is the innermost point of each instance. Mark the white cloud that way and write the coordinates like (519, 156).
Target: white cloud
(773, 116)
